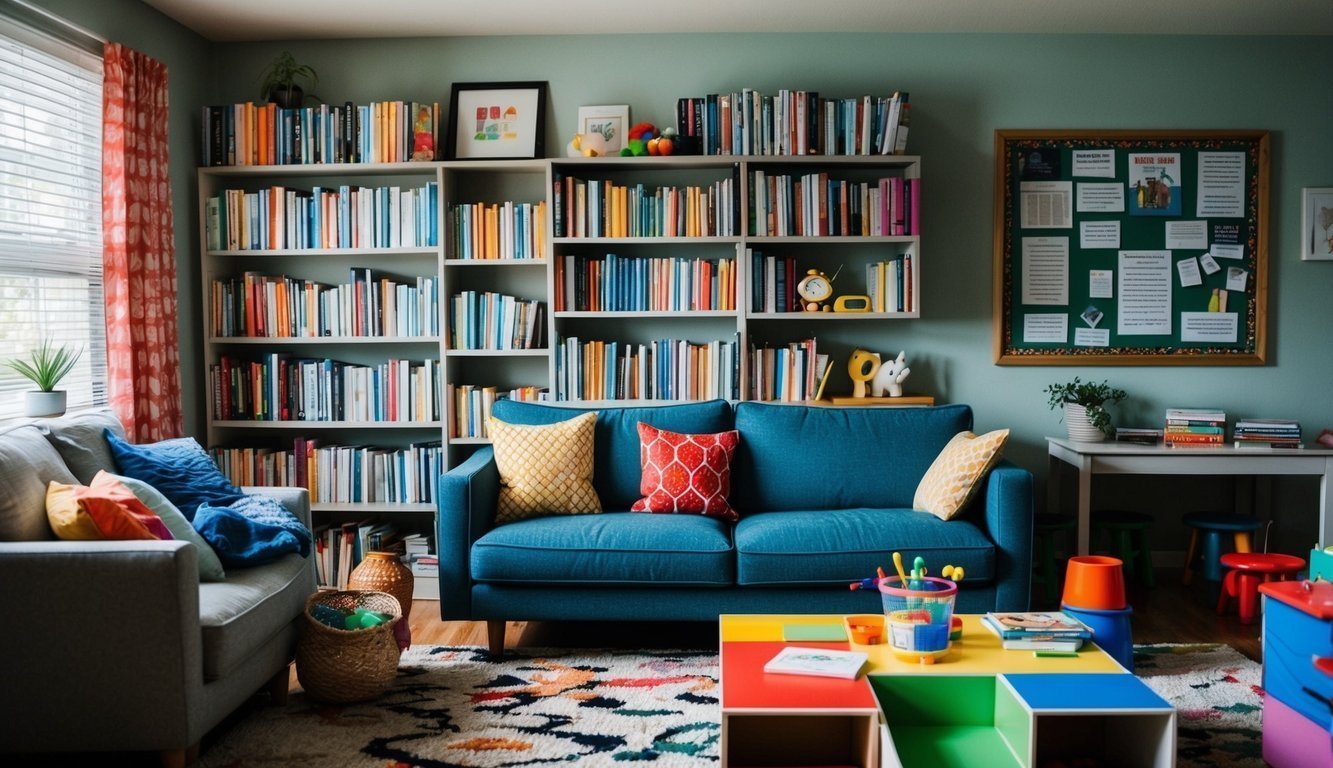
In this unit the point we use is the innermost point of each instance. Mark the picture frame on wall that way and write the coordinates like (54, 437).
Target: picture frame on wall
(604, 126)
(1317, 224)
(505, 120)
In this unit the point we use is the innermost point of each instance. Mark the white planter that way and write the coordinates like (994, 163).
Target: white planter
(1080, 429)
(37, 404)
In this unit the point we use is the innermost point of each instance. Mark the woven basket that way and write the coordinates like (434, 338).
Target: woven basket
(342, 666)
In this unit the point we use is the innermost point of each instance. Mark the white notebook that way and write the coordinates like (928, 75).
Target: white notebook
(816, 661)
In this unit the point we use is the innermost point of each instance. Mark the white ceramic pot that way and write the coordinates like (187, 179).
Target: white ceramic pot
(1080, 429)
(37, 404)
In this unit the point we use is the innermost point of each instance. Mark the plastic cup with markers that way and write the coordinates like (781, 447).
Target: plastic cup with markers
(918, 612)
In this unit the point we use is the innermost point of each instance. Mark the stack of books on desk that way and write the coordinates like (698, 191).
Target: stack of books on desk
(1267, 433)
(1138, 436)
(1041, 631)
(1195, 427)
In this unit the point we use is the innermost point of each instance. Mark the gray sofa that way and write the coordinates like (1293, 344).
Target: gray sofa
(116, 645)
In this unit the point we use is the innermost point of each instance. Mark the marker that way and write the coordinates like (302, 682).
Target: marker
(1055, 654)
(898, 563)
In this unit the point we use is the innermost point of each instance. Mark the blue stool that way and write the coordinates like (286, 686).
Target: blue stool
(1110, 631)
(1213, 526)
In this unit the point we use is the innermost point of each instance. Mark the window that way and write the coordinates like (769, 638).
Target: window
(50, 210)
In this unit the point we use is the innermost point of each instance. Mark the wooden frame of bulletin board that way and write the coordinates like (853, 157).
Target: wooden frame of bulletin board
(1130, 247)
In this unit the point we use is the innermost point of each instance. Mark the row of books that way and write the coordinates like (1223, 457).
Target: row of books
(1194, 427)
(487, 320)
(340, 548)
(795, 123)
(773, 281)
(813, 205)
(266, 134)
(602, 208)
(472, 406)
(323, 217)
(793, 373)
(665, 369)
(281, 388)
(257, 305)
(614, 283)
(506, 230)
(1043, 631)
(340, 473)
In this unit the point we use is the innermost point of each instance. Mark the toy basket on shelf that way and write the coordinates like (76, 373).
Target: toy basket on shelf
(341, 666)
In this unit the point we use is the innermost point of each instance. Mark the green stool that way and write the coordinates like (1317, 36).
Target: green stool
(1129, 534)
(1044, 528)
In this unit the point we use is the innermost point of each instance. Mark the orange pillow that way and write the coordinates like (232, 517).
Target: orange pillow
(106, 510)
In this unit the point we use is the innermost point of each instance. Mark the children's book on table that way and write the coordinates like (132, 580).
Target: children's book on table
(820, 662)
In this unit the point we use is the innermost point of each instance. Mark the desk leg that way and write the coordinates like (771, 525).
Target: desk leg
(1084, 504)
(1326, 505)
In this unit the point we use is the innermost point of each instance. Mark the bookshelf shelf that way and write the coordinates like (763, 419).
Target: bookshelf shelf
(831, 316)
(495, 262)
(831, 239)
(470, 440)
(340, 253)
(322, 340)
(723, 239)
(324, 425)
(731, 313)
(371, 506)
(497, 353)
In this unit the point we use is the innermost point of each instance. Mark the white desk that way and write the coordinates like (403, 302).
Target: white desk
(1112, 458)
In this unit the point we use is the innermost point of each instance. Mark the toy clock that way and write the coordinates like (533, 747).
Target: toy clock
(815, 289)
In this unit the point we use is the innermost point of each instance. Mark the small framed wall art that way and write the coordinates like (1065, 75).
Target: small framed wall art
(497, 120)
(1317, 224)
(607, 123)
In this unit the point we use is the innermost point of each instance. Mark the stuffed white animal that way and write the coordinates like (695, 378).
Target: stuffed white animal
(890, 377)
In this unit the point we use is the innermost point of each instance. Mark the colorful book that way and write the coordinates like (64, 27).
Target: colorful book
(818, 662)
(1036, 624)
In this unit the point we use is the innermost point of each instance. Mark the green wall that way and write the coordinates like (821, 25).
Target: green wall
(963, 87)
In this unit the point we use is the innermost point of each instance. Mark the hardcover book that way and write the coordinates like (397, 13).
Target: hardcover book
(819, 662)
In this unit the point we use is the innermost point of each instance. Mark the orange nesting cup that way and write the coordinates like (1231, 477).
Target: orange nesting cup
(1095, 582)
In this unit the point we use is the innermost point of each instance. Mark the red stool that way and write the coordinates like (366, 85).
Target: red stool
(1246, 571)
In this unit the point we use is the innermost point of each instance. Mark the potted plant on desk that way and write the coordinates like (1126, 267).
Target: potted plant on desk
(1084, 414)
(46, 365)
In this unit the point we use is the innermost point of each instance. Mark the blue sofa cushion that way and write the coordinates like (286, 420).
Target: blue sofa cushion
(615, 472)
(836, 458)
(611, 548)
(841, 546)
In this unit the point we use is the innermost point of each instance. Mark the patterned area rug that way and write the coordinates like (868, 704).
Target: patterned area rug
(1217, 697)
(455, 708)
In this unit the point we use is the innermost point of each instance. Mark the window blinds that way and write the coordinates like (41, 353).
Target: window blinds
(50, 210)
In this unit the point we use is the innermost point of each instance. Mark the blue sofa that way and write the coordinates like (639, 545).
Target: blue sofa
(824, 494)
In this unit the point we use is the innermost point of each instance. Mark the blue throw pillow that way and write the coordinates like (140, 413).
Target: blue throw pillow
(179, 468)
(252, 530)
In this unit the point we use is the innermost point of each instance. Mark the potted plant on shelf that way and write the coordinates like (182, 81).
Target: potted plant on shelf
(45, 366)
(1084, 414)
(278, 84)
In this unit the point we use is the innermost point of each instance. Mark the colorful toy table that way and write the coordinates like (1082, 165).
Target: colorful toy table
(978, 705)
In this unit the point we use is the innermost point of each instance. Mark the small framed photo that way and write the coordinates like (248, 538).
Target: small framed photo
(497, 120)
(1317, 224)
(609, 124)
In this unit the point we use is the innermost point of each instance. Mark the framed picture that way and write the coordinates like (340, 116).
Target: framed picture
(608, 124)
(497, 120)
(1317, 224)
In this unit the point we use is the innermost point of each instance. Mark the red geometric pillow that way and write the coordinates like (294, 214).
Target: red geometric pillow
(688, 474)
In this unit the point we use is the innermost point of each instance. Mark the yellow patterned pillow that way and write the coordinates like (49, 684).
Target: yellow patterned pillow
(952, 479)
(544, 470)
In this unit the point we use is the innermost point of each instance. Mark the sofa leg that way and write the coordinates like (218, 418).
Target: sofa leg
(179, 758)
(495, 637)
(278, 685)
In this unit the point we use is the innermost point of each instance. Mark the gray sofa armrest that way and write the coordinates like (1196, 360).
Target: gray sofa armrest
(467, 497)
(1008, 516)
(94, 625)
(295, 498)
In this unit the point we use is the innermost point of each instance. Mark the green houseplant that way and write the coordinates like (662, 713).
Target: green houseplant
(1083, 404)
(279, 83)
(45, 366)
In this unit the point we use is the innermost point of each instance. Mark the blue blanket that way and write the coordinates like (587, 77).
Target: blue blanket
(251, 531)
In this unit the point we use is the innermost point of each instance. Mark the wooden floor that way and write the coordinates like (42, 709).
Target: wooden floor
(1169, 613)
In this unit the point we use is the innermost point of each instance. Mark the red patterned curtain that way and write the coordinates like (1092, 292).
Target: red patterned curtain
(143, 362)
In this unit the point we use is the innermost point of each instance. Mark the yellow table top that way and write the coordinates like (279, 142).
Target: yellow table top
(978, 652)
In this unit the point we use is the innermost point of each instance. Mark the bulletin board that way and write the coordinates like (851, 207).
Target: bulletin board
(1130, 247)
